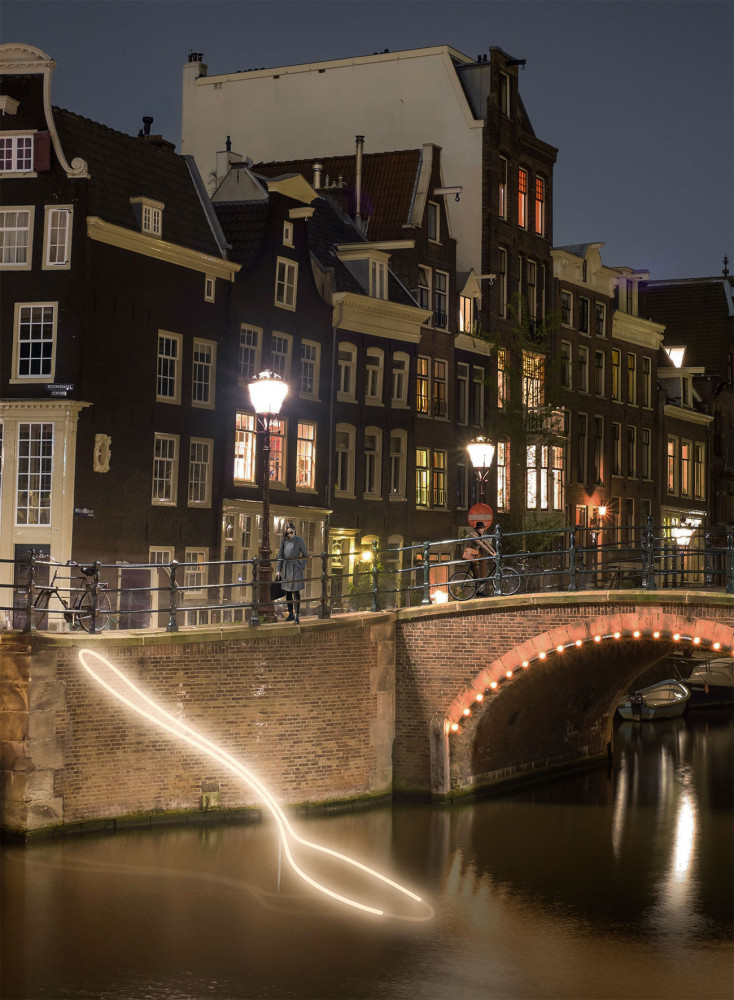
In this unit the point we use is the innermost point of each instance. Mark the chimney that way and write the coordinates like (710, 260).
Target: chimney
(317, 168)
(147, 122)
(358, 181)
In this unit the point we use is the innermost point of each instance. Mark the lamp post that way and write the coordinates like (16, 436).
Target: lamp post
(481, 453)
(267, 392)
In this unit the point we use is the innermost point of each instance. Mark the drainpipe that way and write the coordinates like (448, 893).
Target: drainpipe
(332, 394)
(358, 182)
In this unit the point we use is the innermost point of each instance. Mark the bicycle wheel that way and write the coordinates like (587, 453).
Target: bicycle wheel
(86, 605)
(462, 585)
(510, 581)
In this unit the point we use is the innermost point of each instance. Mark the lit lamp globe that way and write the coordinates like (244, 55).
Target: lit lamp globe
(267, 392)
(481, 452)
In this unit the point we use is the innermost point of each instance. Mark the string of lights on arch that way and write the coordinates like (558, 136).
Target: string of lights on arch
(480, 696)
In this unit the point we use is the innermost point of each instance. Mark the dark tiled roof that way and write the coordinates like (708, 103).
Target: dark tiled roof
(123, 167)
(244, 224)
(388, 185)
(577, 249)
(695, 313)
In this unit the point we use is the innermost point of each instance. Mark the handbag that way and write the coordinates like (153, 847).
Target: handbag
(470, 553)
(276, 590)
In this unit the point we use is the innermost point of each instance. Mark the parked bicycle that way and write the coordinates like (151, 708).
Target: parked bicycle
(87, 606)
(464, 585)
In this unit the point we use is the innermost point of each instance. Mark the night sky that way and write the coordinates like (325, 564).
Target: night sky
(637, 96)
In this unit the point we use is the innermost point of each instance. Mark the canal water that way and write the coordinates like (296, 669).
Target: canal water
(607, 884)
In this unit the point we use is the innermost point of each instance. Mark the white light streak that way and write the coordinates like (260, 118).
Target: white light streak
(164, 720)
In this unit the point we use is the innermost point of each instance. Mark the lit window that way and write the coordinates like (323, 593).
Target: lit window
(168, 388)
(249, 359)
(503, 385)
(502, 208)
(200, 472)
(165, 469)
(422, 381)
(280, 354)
(374, 365)
(277, 451)
(34, 344)
(699, 480)
(539, 205)
(286, 276)
(204, 367)
(306, 455)
(16, 243)
(533, 380)
(439, 478)
(438, 388)
(400, 369)
(685, 468)
(245, 448)
(373, 462)
(558, 458)
(16, 153)
(35, 472)
(532, 477)
(672, 472)
(466, 314)
(502, 458)
(346, 373)
(57, 238)
(522, 198)
(310, 358)
(422, 477)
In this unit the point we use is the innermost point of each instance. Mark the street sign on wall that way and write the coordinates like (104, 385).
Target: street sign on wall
(480, 512)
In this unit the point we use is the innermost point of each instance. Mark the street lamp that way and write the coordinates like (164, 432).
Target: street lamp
(267, 392)
(481, 453)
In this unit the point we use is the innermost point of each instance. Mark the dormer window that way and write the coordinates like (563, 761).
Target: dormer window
(16, 153)
(378, 279)
(149, 214)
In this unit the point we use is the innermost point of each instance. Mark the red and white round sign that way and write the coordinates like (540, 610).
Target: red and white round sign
(480, 512)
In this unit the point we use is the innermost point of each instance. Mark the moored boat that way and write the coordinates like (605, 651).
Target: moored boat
(712, 684)
(665, 700)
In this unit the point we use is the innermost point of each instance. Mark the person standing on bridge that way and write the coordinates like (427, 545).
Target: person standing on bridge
(482, 543)
(291, 569)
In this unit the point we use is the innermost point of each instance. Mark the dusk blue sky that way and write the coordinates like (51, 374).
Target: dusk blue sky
(637, 96)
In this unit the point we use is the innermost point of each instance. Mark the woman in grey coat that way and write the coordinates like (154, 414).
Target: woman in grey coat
(291, 568)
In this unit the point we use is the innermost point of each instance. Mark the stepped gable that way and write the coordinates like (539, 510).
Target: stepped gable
(123, 167)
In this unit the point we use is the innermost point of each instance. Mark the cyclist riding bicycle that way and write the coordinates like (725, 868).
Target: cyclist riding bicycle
(476, 544)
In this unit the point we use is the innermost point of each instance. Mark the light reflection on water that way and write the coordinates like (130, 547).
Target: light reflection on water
(596, 886)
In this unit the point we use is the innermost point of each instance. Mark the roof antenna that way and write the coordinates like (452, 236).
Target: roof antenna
(726, 266)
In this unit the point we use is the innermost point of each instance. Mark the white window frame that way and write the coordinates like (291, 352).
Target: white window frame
(423, 292)
(49, 372)
(531, 476)
(502, 459)
(199, 345)
(286, 283)
(373, 464)
(150, 215)
(423, 386)
(161, 555)
(201, 461)
(59, 249)
(10, 246)
(423, 478)
(310, 369)
(194, 580)
(245, 448)
(249, 350)
(398, 463)
(583, 385)
(165, 498)
(284, 343)
(346, 385)
(539, 206)
(347, 462)
(35, 473)
(433, 222)
(16, 159)
(374, 371)
(400, 379)
(278, 470)
(174, 375)
(287, 233)
(306, 435)
(378, 279)
(210, 288)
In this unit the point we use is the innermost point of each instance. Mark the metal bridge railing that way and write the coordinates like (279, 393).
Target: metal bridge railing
(179, 594)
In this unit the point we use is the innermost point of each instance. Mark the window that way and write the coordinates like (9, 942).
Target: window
(599, 379)
(583, 315)
(532, 292)
(462, 393)
(286, 277)
(398, 451)
(250, 343)
(35, 470)
(544, 452)
(685, 391)
(632, 378)
(165, 469)
(34, 344)
(306, 456)
(533, 380)
(502, 458)
(531, 482)
(646, 382)
(373, 462)
(433, 219)
(439, 402)
(245, 448)
(466, 314)
(16, 153)
(203, 372)
(347, 365)
(195, 571)
(504, 95)
(502, 281)
(400, 369)
(581, 444)
(310, 360)
(462, 483)
(522, 198)
(583, 385)
(160, 555)
(57, 238)
(616, 449)
(518, 297)
(566, 381)
(632, 452)
(441, 299)
(378, 279)
(16, 237)
(287, 234)
(168, 383)
(557, 476)
(503, 387)
(646, 456)
(502, 207)
(200, 472)
(598, 450)
(600, 319)
(685, 468)
(539, 206)
(277, 452)
(422, 477)
(616, 375)
(210, 285)
(566, 308)
(424, 287)
(374, 367)
(344, 482)
(699, 481)
(422, 404)
(439, 478)
(672, 471)
(477, 397)
(280, 354)
(151, 220)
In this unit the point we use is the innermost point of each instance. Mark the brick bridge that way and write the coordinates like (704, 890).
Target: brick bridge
(438, 701)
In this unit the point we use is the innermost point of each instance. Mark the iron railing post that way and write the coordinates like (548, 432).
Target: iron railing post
(497, 582)
(325, 609)
(30, 591)
(254, 603)
(426, 573)
(730, 558)
(648, 555)
(97, 565)
(375, 578)
(172, 599)
(708, 565)
(572, 560)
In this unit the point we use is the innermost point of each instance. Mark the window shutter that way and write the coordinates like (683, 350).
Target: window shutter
(42, 151)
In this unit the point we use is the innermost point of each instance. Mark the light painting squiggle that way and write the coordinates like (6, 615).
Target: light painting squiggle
(139, 702)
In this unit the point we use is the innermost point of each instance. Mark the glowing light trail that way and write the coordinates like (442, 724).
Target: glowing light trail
(164, 720)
